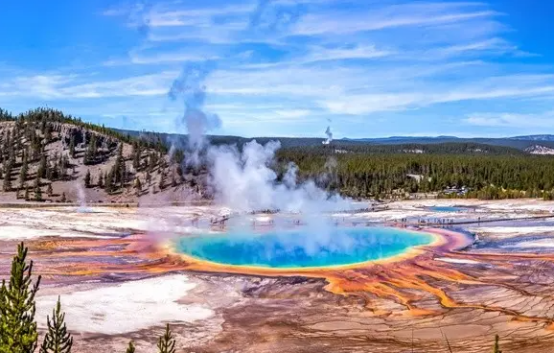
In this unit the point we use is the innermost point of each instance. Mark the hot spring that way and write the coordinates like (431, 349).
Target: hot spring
(302, 248)
(447, 209)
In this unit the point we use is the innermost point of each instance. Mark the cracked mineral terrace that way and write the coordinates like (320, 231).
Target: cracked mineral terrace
(492, 272)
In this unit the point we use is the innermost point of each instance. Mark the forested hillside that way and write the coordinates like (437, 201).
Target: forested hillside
(48, 156)
(499, 173)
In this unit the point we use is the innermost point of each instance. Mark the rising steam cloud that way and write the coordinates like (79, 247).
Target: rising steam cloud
(245, 182)
(189, 87)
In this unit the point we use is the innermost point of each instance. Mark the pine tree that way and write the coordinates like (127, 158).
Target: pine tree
(57, 339)
(166, 343)
(18, 329)
(130, 348)
(48, 133)
(27, 196)
(123, 174)
(101, 180)
(64, 199)
(87, 179)
(42, 166)
(38, 194)
(7, 186)
(72, 146)
(90, 154)
(108, 181)
(138, 186)
(23, 173)
(153, 161)
(49, 190)
(162, 181)
(496, 348)
(120, 171)
(136, 156)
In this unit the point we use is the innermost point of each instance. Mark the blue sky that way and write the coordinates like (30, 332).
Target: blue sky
(368, 68)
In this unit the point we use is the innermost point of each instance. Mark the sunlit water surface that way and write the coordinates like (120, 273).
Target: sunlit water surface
(301, 248)
(447, 209)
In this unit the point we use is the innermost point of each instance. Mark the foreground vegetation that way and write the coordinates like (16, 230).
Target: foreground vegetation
(18, 328)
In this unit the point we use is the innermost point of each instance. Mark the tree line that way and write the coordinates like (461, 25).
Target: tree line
(49, 115)
(381, 175)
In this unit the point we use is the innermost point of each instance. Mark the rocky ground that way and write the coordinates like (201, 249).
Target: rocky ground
(116, 284)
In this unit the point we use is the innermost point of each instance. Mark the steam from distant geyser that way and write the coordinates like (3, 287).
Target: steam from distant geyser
(329, 134)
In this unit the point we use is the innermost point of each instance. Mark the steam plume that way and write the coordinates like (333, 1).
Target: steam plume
(190, 88)
(245, 182)
(329, 134)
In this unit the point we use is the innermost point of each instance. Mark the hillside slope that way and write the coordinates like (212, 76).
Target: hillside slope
(46, 156)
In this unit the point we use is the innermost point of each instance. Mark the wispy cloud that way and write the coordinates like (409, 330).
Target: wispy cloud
(293, 113)
(44, 86)
(192, 17)
(341, 53)
(515, 86)
(512, 120)
(380, 18)
(303, 61)
(58, 87)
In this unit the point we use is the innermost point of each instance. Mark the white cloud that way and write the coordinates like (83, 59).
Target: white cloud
(69, 87)
(424, 94)
(492, 45)
(292, 113)
(395, 16)
(35, 85)
(358, 52)
(171, 57)
(201, 17)
(335, 61)
(381, 102)
(513, 120)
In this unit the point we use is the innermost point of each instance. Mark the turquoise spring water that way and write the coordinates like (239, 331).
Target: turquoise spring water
(300, 248)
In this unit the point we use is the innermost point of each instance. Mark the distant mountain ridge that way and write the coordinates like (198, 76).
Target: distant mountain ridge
(523, 143)
(534, 137)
